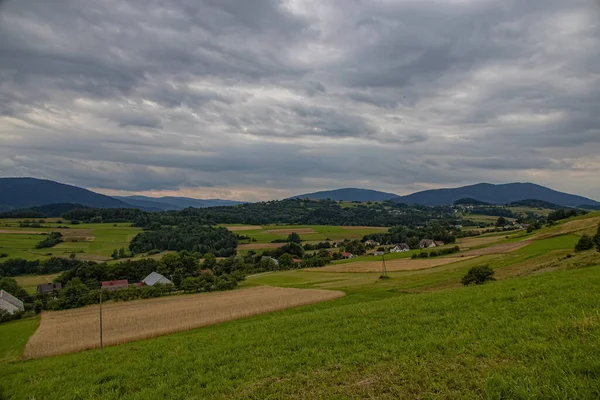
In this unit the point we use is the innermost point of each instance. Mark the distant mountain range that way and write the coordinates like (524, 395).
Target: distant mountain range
(348, 194)
(174, 203)
(495, 194)
(16, 193)
(20, 193)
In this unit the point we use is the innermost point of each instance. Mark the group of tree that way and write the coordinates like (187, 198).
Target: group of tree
(587, 242)
(119, 254)
(19, 266)
(436, 253)
(51, 240)
(190, 237)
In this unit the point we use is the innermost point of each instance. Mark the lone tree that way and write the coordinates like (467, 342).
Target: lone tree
(597, 238)
(478, 275)
(294, 238)
(585, 243)
(501, 221)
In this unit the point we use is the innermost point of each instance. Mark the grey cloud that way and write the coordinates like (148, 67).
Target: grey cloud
(283, 96)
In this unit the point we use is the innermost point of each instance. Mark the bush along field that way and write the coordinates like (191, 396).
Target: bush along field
(513, 317)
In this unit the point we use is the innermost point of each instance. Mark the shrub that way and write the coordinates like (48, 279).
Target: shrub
(597, 238)
(3, 255)
(478, 275)
(585, 243)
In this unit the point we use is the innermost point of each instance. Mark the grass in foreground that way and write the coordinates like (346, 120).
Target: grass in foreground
(534, 337)
(14, 335)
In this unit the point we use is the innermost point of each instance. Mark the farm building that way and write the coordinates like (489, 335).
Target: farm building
(378, 253)
(47, 288)
(10, 303)
(155, 278)
(115, 285)
(438, 243)
(400, 247)
(263, 258)
(346, 255)
(371, 243)
(426, 243)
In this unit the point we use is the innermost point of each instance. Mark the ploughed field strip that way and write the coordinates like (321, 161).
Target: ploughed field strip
(391, 265)
(244, 228)
(78, 329)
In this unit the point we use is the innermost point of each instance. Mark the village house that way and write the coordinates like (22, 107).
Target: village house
(48, 288)
(400, 247)
(10, 303)
(346, 255)
(155, 278)
(115, 285)
(426, 243)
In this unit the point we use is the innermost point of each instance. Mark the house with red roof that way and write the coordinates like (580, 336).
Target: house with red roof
(115, 285)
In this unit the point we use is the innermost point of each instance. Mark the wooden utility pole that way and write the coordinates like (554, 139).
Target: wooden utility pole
(101, 344)
(384, 272)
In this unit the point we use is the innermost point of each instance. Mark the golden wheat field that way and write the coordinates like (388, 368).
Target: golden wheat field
(403, 264)
(78, 329)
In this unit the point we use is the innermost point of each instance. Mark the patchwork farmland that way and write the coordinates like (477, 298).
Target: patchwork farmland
(398, 337)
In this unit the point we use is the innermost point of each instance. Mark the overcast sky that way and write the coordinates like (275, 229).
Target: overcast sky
(256, 99)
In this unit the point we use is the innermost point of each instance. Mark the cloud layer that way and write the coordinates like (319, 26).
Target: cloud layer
(264, 99)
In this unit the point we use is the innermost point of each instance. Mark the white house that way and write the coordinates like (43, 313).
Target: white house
(155, 278)
(399, 248)
(10, 303)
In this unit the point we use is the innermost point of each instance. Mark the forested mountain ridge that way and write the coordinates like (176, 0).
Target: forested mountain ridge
(348, 194)
(495, 194)
(17, 193)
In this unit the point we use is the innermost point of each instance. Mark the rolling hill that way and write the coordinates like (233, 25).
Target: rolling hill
(348, 194)
(495, 194)
(175, 203)
(17, 193)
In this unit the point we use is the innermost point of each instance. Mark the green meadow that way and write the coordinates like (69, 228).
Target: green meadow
(87, 241)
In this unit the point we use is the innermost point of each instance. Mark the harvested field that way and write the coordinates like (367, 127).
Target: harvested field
(78, 329)
(255, 246)
(498, 248)
(243, 228)
(299, 231)
(403, 264)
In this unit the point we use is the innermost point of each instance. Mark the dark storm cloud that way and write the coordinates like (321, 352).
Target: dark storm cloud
(267, 98)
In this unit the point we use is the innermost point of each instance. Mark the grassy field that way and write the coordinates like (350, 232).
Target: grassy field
(31, 282)
(534, 333)
(267, 233)
(534, 337)
(88, 241)
(14, 336)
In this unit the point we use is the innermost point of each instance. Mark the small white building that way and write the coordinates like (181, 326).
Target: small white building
(155, 278)
(10, 303)
(399, 248)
